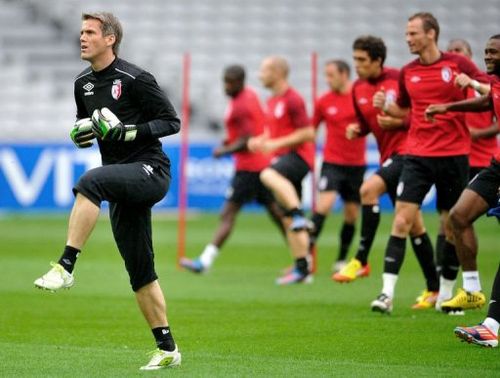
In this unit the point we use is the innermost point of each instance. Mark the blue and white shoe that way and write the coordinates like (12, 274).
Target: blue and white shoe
(293, 277)
(194, 266)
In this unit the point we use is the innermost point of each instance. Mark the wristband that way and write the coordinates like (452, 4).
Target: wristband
(475, 85)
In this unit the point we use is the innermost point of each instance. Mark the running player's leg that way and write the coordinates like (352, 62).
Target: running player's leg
(352, 180)
(450, 182)
(422, 247)
(370, 191)
(481, 194)
(284, 179)
(414, 183)
(485, 334)
(244, 188)
(96, 185)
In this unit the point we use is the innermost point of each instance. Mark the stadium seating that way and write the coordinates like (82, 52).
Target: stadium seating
(39, 47)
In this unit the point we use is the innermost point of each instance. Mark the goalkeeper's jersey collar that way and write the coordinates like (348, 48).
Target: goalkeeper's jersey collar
(105, 71)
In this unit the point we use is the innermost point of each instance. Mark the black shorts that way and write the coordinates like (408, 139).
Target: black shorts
(390, 172)
(487, 182)
(131, 189)
(293, 167)
(246, 187)
(473, 171)
(449, 173)
(343, 179)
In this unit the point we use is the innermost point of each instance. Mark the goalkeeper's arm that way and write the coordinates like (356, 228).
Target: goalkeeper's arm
(156, 107)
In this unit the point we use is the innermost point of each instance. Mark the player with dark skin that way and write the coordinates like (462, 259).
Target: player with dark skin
(480, 195)
(243, 120)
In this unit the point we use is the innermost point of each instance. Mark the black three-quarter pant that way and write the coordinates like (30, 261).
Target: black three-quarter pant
(131, 189)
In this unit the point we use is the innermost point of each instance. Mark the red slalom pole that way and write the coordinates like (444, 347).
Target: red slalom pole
(184, 155)
(314, 96)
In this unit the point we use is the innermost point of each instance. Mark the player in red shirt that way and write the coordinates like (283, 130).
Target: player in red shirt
(344, 160)
(437, 152)
(244, 119)
(369, 55)
(482, 127)
(480, 195)
(291, 142)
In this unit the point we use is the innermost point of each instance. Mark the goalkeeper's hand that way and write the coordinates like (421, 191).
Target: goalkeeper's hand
(107, 126)
(81, 134)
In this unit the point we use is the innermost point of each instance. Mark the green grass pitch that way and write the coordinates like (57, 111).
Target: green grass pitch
(231, 322)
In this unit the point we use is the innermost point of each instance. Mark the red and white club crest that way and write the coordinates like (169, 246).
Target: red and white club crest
(116, 89)
(446, 74)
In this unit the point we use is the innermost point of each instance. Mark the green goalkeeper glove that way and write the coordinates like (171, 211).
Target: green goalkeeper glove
(107, 126)
(81, 134)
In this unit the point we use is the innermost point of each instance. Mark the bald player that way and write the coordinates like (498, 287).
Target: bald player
(290, 142)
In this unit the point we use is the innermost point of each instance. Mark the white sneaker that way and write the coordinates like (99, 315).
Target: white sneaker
(382, 304)
(161, 359)
(55, 279)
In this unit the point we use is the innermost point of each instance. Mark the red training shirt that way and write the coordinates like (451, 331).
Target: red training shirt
(422, 85)
(389, 142)
(287, 113)
(483, 149)
(495, 98)
(244, 117)
(337, 110)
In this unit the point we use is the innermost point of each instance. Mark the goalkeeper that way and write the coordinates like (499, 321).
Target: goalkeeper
(121, 107)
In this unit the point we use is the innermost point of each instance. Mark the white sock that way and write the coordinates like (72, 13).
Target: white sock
(445, 288)
(492, 324)
(471, 281)
(389, 280)
(208, 255)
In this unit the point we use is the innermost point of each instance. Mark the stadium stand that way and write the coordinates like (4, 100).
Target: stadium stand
(39, 47)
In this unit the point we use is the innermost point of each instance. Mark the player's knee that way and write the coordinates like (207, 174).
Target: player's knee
(367, 193)
(402, 224)
(457, 219)
(88, 187)
(266, 176)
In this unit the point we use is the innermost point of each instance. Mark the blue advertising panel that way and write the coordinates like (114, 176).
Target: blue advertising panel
(39, 177)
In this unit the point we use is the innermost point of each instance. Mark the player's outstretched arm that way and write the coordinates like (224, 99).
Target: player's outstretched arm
(237, 146)
(489, 132)
(479, 104)
(464, 81)
(299, 136)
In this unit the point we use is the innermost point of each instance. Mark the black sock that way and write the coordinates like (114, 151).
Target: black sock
(318, 221)
(451, 265)
(164, 339)
(394, 254)
(293, 212)
(346, 236)
(494, 308)
(68, 258)
(370, 219)
(439, 252)
(423, 250)
(302, 265)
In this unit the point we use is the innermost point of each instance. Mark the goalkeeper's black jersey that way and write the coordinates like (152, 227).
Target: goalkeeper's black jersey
(133, 95)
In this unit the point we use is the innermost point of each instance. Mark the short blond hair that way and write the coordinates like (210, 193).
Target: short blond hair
(110, 25)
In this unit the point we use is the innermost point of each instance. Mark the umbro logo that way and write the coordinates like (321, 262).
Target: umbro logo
(148, 169)
(415, 79)
(88, 88)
